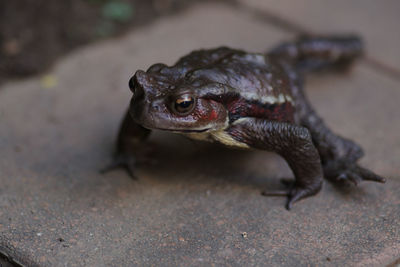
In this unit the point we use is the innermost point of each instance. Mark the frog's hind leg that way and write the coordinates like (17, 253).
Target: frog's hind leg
(314, 53)
(339, 155)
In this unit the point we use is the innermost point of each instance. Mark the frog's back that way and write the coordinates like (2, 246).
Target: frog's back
(262, 88)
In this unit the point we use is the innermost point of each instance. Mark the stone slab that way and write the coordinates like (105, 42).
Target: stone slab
(199, 205)
(376, 21)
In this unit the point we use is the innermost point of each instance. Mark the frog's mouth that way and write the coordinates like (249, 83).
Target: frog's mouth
(183, 130)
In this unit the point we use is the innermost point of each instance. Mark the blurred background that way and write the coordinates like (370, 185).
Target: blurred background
(33, 33)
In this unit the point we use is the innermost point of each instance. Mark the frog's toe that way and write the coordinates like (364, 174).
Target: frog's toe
(122, 161)
(368, 175)
(293, 193)
(300, 192)
(288, 183)
(275, 193)
(354, 174)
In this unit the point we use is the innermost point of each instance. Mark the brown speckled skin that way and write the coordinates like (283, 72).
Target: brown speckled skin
(257, 100)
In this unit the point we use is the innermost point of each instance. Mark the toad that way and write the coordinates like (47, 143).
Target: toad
(248, 101)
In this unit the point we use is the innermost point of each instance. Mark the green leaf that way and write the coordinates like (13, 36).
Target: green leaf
(117, 11)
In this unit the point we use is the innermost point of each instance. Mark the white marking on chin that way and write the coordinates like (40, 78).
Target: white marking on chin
(219, 135)
(224, 138)
(204, 136)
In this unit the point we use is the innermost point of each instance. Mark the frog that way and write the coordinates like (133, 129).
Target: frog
(247, 100)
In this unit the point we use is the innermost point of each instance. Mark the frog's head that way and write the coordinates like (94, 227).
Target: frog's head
(160, 102)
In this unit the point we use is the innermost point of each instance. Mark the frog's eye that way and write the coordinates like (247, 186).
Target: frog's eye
(184, 104)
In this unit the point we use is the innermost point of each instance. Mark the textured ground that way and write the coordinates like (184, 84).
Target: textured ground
(198, 205)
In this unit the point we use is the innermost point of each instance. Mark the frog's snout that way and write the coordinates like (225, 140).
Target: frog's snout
(136, 86)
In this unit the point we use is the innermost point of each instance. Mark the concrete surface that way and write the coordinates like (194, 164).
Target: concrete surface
(376, 21)
(199, 205)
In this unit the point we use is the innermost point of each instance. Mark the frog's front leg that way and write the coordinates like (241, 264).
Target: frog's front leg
(293, 143)
(130, 144)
